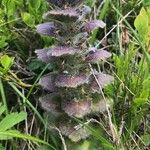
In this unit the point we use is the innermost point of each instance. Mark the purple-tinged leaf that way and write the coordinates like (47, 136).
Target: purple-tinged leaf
(42, 55)
(84, 11)
(100, 106)
(80, 134)
(91, 25)
(78, 108)
(66, 127)
(51, 103)
(75, 135)
(71, 81)
(66, 15)
(101, 81)
(80, 38)
(64, 3)
(47, 28)
(98, 55)
(63, 50)
(48, 82)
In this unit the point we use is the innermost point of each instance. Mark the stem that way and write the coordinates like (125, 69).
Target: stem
(3, 96)
(104, 9)
(28, 102)
(32, 87)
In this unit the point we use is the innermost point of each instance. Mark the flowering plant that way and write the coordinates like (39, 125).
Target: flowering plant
(72, 85)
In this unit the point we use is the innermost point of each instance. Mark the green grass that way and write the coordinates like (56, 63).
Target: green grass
(125, 126)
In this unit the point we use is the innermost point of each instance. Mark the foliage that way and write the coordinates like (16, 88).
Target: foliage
(6, 63)
(72, 86)
(124, 124)
(10, 121)
(141, 23)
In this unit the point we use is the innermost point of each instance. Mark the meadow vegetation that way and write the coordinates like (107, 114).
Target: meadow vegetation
(98, 53)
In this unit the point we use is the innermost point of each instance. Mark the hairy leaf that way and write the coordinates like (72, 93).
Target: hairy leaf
(63, 3)
(62, 15)
(48, 82)
(62, 50)
(100, 81)
(97, 55)
(78, 108)
(47, 28)
(91, 25)
(51, 102)
(42, 55)
(66, 80)
(75, 135)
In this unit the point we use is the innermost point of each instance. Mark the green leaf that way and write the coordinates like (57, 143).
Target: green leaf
(146, 84)
(12, 119)
(148, 13)
(141, 24)
(3, 42)
(36, 64)
(97, 134)
(84, 146)
(9, 7)
(6, 61)
(142, 99)
(16, 134)
(146, 139)
(28, 19)
(2, 148)
(19, 2)
(35, 4)
(146, 2)
(2, 109)
(44, 147)
(4, 135)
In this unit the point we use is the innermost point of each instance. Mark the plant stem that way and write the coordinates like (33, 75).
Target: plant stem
(32, 87)
(3, 96)
(104, 9)
(27, 101)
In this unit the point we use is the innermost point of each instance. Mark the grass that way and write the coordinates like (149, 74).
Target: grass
(3, 96)
(125, 126)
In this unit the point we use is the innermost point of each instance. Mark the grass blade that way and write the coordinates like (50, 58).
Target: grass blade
(28, 102)
(17, 134)
(3, 96)
(12, 119)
